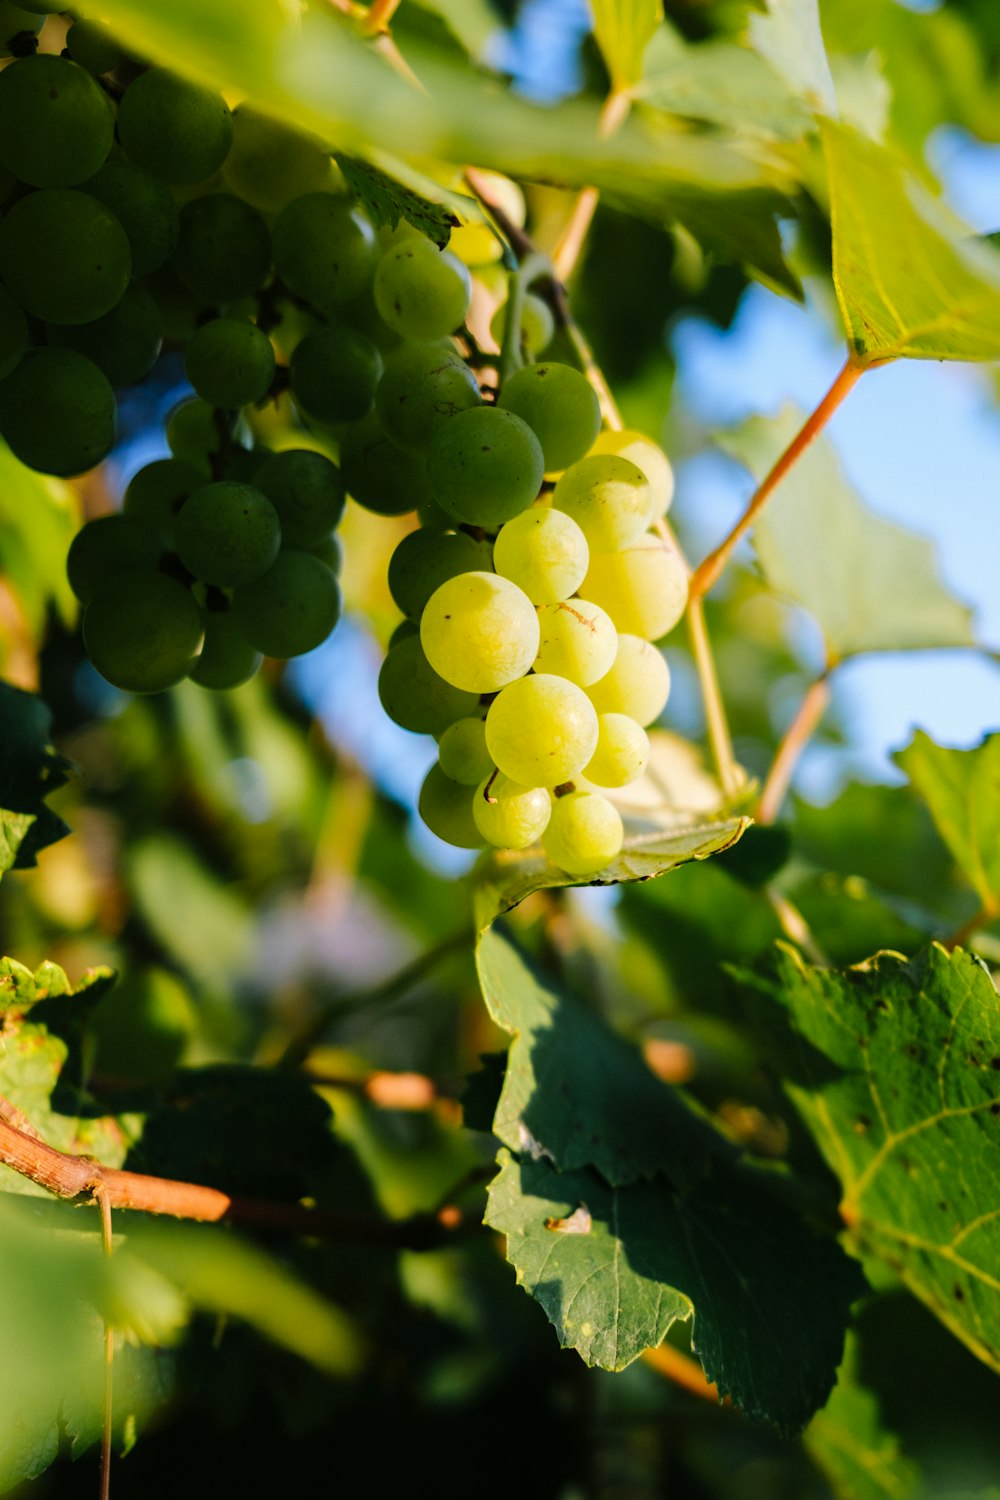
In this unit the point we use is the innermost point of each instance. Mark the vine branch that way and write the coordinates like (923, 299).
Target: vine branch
(798, 734)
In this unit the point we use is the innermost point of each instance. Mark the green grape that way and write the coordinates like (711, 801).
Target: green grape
(330, 552)
(56, 125)
(18, 28)
(175, 129)
(380, 476)
(584, 833)
(424, 560)
(485, 466)
(404, 631)
(180, 310)
(13, 333)
(479, 632)
(510, 816)
(57, 412)
(541, 730)
(230, 363)
(608, 498)
(644, 587)
(156, 492)
(106, 547)
(228, 534)
(142, 631)
(560, 408)
(125, 343)
(638, 683)
(269, 164)
(622, 751)
(334, 372)
(324, 249)
(421, 292)
(446, 808)
(193, 434)
(544, 552)
(415, 696)
(648, 457)
(227, 659)
(462, 751)
(92, 46)
(537, 324)
(422, 387)
(145, 208)
(307, 491)
(64, 256)
(223, 249)
(41, 7)
(577, 640)
(292, 608)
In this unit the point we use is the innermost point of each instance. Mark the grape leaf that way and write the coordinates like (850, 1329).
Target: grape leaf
(388, 201)
(30, 769)
(871, 586)
(721, 83)
(623, 30)
(912, 282)
(962, 790)
(790, 38)
(39, 516)
(893, 1065)
(860, 1457)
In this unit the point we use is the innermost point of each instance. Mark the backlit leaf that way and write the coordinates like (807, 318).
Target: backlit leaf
(623, 30)
(962, 790)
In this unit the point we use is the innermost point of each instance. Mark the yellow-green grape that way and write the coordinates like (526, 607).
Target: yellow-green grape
(576, 640)
(544, 552)
(477, 244)
(479, 631)
(508, 815)
(537, 324)
(541, 730)
(647, 456)
(446, 808)
(609, 499)
(559, 406)
(462, 752)
(414, 696)
(584, 833)
(622, 752)
(423, 386)
(644, 587)
(269, 164)
(638, 683)
(421, 292)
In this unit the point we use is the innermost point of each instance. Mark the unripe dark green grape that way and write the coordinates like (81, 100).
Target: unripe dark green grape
(330, 552)
(144, 206)
(415, 697)
(105, 547)
(421, 292)
(180, 309)
(174, 128)
(227, 658)
(56, 125)
(227, 534)
(324, 248)
(446, 808)
(485, 466)
(462, 752)
(17, 26)
(195, 434)
(334, 372)
(157, 491)
(292, 608)
(559, 406)
(423, 560)
(243, 463)
(223, 248)
(57, 412)
(307, 492)
(142, 631)
(380, 476)
(125, 343)
(422, 386)
(230, 363)
(269, 165)
(13, 333)
(404, 631)
(92, 46)
(64, 256)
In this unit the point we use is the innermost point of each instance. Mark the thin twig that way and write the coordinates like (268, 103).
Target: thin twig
(104, 1204)
(987, 913)
(795, 927)
(683, 1371)
(719, 738)
(798, 734)
(379, 16)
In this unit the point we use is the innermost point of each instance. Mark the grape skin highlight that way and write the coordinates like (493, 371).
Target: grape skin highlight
(541, 730)
(479, 631)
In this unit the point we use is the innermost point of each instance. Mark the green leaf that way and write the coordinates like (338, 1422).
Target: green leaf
(860, 1458)
(894, 1066)
(962, 790)
(721, 83)
(388, 201)
(912, 281)
(39, 516)
(623, 30)
(870, 585)
(30, 769)
(790, 38)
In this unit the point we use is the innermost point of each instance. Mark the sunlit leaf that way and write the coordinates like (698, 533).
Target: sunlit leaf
(861, 1458)
(623, 30)
(962, 790)
(30, 769)
(789, 37)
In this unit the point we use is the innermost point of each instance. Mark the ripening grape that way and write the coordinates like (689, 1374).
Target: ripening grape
(644, 587)
(541, 730)
(648, 457)
(324, 249)
(57, 412)
(576, 640)
(307, 492)
(157, 491)
(56, 124)
(638, 683)
(223, 249)
(584, 833)
(485, 466)
(423, 386)
(380, 476)
(227, 534)
(423, 560)
(142, 631)
(175, 129)
(609, 499)
(13, 333)
(544, 552)
(510, 816)
(415, 696)
(230, 363)
(269, 164)
(559, 406)
(124, 344)
(479, 632)
(622, 751)
(421, 292)
(446, 808)
(64, 256)
(462, 751)
(291, 608)
(92, 46)
(107, 546)
(537, 324)
(334, 372)
(227, 659)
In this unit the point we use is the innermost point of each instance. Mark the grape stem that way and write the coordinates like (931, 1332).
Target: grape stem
(719, 738)
(104, 1204)
(533, 268)
(379, 16)
(683, 1371)
(798, 734)
(987, 913)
